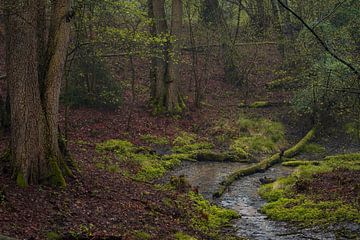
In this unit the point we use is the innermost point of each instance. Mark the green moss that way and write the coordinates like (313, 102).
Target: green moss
(20, 180)
(352, 129)
(183, 236)
(254, 144)
(155, 140)
(297, 163)
(258, 136)
(260, 104)
(115, 145)
(313, 148)
(264, 164)
(214, 217)
(53, 236)
(281, 82)
(151, 166)
(141, 235)
(287, 205)
(179, 157)
(189, 143)
(308, 212)
(56, 177)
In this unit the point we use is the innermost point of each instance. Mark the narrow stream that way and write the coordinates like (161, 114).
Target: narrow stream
(242, 197)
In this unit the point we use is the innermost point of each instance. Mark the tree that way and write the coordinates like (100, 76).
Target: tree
(167, 97)
(212, 16)
(35, 61)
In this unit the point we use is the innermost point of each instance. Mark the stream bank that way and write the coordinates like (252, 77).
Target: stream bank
(242, 196)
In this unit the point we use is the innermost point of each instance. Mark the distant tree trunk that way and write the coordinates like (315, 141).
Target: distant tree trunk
(167, 96)
(277, 26)
(212, 15)
(152, 74)
(34, 80)
(288, 32)
(261, 16)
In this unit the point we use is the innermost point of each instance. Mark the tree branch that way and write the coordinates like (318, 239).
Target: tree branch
(325, 46)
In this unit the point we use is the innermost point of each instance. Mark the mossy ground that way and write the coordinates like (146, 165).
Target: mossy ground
(208, 218)
(289, 200)
(258, 136)
(147, 165)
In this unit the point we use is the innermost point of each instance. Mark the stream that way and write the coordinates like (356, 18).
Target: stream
(242, 197)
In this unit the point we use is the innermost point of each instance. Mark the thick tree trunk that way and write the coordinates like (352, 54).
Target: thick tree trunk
(167, 97)
(174, 102)
(59, 38)
(162, 62)
(27, 119)
(34, 80)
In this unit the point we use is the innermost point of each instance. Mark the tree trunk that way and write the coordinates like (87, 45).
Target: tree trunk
(153, 58)
(213, 15)
(167, 97)
(261, 16)
(34, 80)
(174, 102)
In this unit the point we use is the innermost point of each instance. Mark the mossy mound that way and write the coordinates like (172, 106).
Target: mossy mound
(183, 236)
(288, 203)
(259, 104)
(154, 140)
(258, 136)
(212, 218)
(313, 148)
(149, 166)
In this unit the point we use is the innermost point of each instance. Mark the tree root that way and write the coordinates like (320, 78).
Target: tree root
(264, 164)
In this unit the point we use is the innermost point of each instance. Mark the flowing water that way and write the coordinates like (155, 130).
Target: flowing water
(242, 197)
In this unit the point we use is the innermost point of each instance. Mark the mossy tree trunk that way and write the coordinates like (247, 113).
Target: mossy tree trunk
(167, 97)
(35, 67)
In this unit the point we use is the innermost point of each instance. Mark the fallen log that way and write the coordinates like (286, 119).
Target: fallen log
(264, 164)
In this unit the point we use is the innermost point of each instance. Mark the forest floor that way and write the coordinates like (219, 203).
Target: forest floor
(103, 204)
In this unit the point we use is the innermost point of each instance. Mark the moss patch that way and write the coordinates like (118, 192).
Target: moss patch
(286, 203)
(149, 166)
(20, 180)
(141, 235)
(258, 136)
(297, 163)
(260, 104)
(213, 217)
(313, 148)
(154, 140)
(183, 236)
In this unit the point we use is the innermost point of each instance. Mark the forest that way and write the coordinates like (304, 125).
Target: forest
(179, 119)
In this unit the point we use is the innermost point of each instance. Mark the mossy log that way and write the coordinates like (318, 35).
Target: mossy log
(209, 156)
(264, 164)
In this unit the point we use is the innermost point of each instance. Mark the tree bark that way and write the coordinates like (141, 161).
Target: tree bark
(34, 78)
(167, 95)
